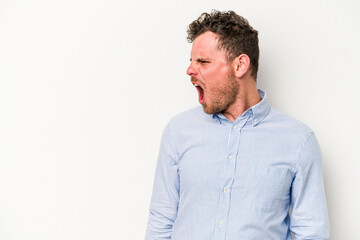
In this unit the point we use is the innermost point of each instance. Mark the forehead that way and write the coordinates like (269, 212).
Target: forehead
(206, 45)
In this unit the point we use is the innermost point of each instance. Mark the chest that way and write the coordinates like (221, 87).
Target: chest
(238, 159)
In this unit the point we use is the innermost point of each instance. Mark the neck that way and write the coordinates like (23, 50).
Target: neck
(248, 96)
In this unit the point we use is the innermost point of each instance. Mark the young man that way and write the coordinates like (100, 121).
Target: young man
(232, 169)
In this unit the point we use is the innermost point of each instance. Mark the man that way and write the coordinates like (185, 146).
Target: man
(232, 169)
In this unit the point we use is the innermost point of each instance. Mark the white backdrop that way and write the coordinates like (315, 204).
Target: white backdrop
(87, 86)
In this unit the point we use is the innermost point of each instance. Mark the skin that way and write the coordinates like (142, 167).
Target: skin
(228, 87)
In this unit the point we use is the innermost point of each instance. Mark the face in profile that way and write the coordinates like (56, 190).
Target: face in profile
(212, 74)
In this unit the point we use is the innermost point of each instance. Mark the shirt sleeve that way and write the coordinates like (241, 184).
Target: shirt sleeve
(309, 217)
(165, 196)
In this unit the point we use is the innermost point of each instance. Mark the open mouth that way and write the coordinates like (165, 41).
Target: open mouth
(200, 92)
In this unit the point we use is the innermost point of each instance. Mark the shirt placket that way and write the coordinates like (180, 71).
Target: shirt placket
(228, 179)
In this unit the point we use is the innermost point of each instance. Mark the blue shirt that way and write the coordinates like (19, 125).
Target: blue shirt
(216, 179)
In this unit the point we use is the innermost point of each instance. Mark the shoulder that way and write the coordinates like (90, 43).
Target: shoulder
(181, 128)
(190, 117)
(285, 122)
(285, 130)
(293, 135)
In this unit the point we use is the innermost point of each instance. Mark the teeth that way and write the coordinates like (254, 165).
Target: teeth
(196, 85)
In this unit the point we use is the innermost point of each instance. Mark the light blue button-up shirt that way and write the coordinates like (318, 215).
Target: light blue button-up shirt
(216, 179)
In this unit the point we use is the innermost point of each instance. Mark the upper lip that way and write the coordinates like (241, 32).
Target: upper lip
(197, 84)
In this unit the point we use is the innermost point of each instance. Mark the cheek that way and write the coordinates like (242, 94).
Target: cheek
(214, 77)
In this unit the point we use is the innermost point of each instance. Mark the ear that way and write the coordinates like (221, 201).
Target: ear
(241, 65)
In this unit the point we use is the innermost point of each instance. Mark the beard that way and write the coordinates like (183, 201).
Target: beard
(222, 97)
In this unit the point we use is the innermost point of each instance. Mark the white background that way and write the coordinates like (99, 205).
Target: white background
(86, 88)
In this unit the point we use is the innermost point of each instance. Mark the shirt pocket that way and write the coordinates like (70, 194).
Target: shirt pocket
(263, 191)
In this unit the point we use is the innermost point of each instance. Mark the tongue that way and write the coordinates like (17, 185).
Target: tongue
(201, 94)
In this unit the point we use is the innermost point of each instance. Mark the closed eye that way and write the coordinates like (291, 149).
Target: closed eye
(202, 61)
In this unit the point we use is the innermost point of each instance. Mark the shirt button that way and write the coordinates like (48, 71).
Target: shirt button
(230, 157)
(255, 119)
(225, 189)
(220, 223)
(235, 127)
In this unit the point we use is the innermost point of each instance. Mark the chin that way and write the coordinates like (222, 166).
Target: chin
(210, 110)
(206, 109)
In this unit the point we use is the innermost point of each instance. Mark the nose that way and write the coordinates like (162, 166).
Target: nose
(191, 71)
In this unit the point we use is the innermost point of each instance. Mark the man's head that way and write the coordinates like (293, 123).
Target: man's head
(235, 35)
(224, 61)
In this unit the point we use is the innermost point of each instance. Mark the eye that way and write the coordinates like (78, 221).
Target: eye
(203, 61)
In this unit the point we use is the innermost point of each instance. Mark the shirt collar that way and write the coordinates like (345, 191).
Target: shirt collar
(261, 109)
(258, 112)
